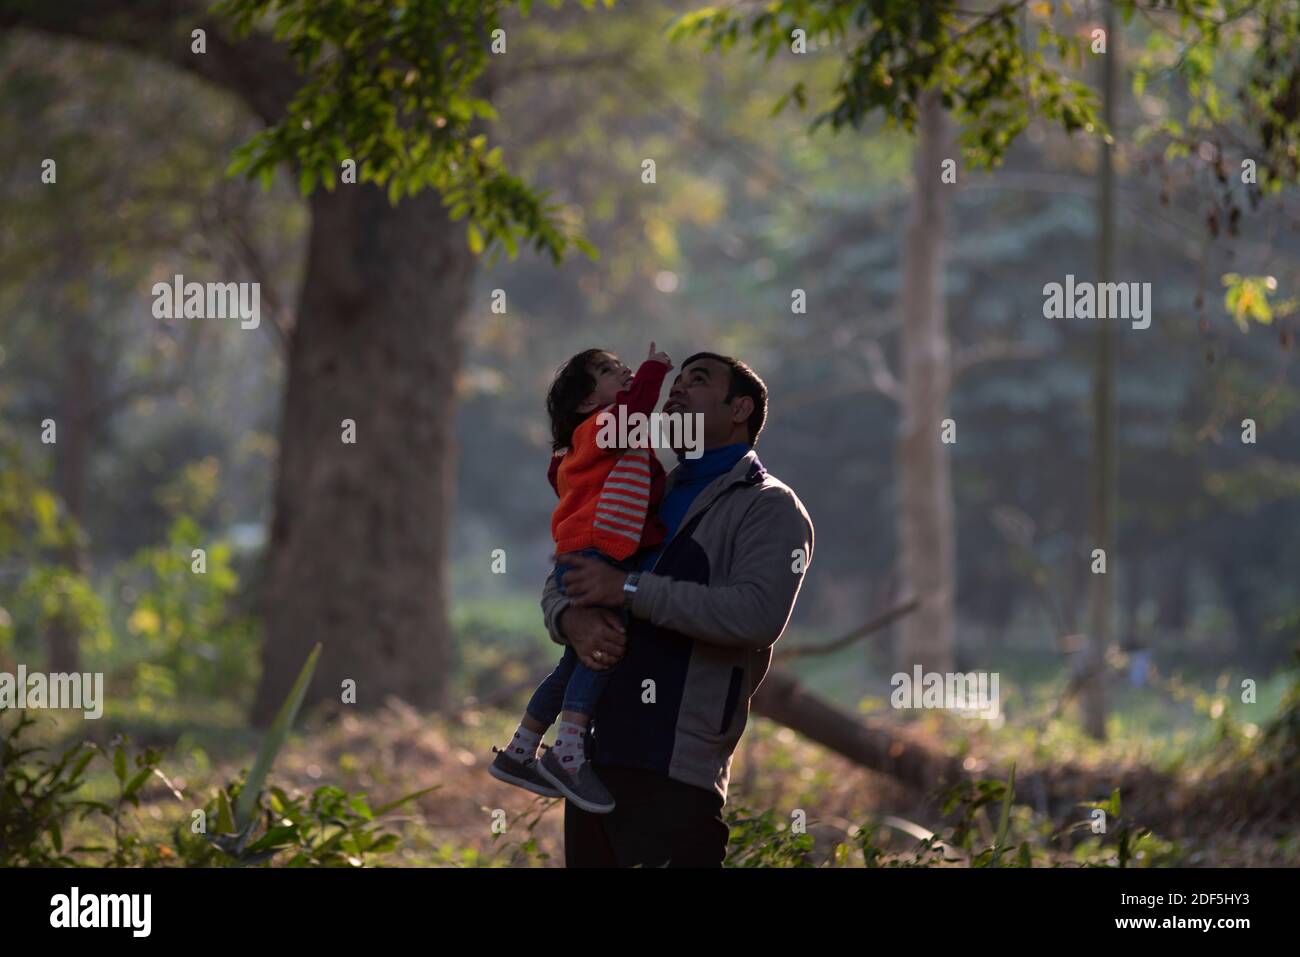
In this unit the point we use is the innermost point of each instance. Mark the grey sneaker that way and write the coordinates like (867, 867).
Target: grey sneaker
(582, 786)
(522, 774)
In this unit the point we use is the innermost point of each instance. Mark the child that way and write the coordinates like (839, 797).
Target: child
(608, 498)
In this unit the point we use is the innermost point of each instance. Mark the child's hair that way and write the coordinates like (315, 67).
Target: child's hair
(573, 383)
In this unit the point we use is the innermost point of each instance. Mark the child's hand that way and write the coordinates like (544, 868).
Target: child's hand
(659, 356)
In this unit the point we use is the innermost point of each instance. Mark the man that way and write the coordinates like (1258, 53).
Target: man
(704, 611)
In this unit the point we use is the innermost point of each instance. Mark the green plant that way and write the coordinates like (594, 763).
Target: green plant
(36, 799)
(253, 824)
(967, 798)
(1279, 743)
(527, 850)
(763, 841)
(193, 645)
(37, 803)
(329, 828)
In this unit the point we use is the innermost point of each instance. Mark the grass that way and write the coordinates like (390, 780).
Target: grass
(396, 751)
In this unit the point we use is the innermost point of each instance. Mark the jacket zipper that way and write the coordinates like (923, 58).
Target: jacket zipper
(688, 518)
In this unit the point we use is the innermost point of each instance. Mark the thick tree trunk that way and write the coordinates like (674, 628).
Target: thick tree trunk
(355, 559)
(357, 546)
(926, 530)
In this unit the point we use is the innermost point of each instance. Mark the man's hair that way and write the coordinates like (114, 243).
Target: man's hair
(744, 381)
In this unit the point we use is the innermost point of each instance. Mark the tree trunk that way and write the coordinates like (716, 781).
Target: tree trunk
(356, 557)
(1054, 790)
(63, 634)
(926, 530)
(1173, 590)
(1090, 670)
(784, 700)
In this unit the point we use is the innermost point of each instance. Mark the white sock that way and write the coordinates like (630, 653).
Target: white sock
(568, 746)
(523, 746)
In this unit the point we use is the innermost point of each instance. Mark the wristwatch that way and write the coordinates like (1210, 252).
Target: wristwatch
(629, 590)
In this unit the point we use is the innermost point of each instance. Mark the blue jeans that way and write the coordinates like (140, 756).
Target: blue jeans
(572, 686)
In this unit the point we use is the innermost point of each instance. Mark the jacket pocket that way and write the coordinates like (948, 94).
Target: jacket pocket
(733, 696)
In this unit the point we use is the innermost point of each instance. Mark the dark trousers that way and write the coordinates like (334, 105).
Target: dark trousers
(656, 822)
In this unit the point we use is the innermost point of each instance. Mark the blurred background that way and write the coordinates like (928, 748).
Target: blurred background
(171, 435)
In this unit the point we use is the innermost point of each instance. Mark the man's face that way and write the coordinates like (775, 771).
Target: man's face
(702, 388)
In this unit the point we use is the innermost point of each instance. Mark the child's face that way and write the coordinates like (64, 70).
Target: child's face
(611, 378)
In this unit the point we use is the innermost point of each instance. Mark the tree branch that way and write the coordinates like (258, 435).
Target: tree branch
(875, 624)
(998, 351)
(605, 60)
(882, 379)
(255, 68)
(241, 251)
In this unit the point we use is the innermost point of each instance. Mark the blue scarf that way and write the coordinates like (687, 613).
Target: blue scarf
(689, 480)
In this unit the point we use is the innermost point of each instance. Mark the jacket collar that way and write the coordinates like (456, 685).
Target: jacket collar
(748, 470)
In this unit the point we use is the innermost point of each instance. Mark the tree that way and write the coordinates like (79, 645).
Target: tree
(1090, 669)
(903, 60)
(926, 530)
(73, 258)
(915, 63)
(356, 552)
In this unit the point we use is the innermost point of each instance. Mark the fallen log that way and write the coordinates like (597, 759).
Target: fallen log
(782, 698)
(1054, 791)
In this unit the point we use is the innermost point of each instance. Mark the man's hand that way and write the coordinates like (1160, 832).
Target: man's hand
(595, 635)
(659, 356)
(591, 582)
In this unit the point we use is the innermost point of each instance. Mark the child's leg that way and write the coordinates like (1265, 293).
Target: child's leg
(580, 697)
(542, 709)
(579, 701)
(529, 723)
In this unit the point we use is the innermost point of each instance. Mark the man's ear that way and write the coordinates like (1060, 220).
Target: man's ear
(741, 409)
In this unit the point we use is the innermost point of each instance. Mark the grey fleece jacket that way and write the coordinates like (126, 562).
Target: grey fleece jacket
(703, 623)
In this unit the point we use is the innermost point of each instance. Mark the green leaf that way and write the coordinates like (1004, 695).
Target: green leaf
(45, 507)
(119, 764)
(225, 821)
(475, 239)
(136, 782)
(282, 834)
(275, 738)
(1004, 820)
(80, 766)
(385, 808)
